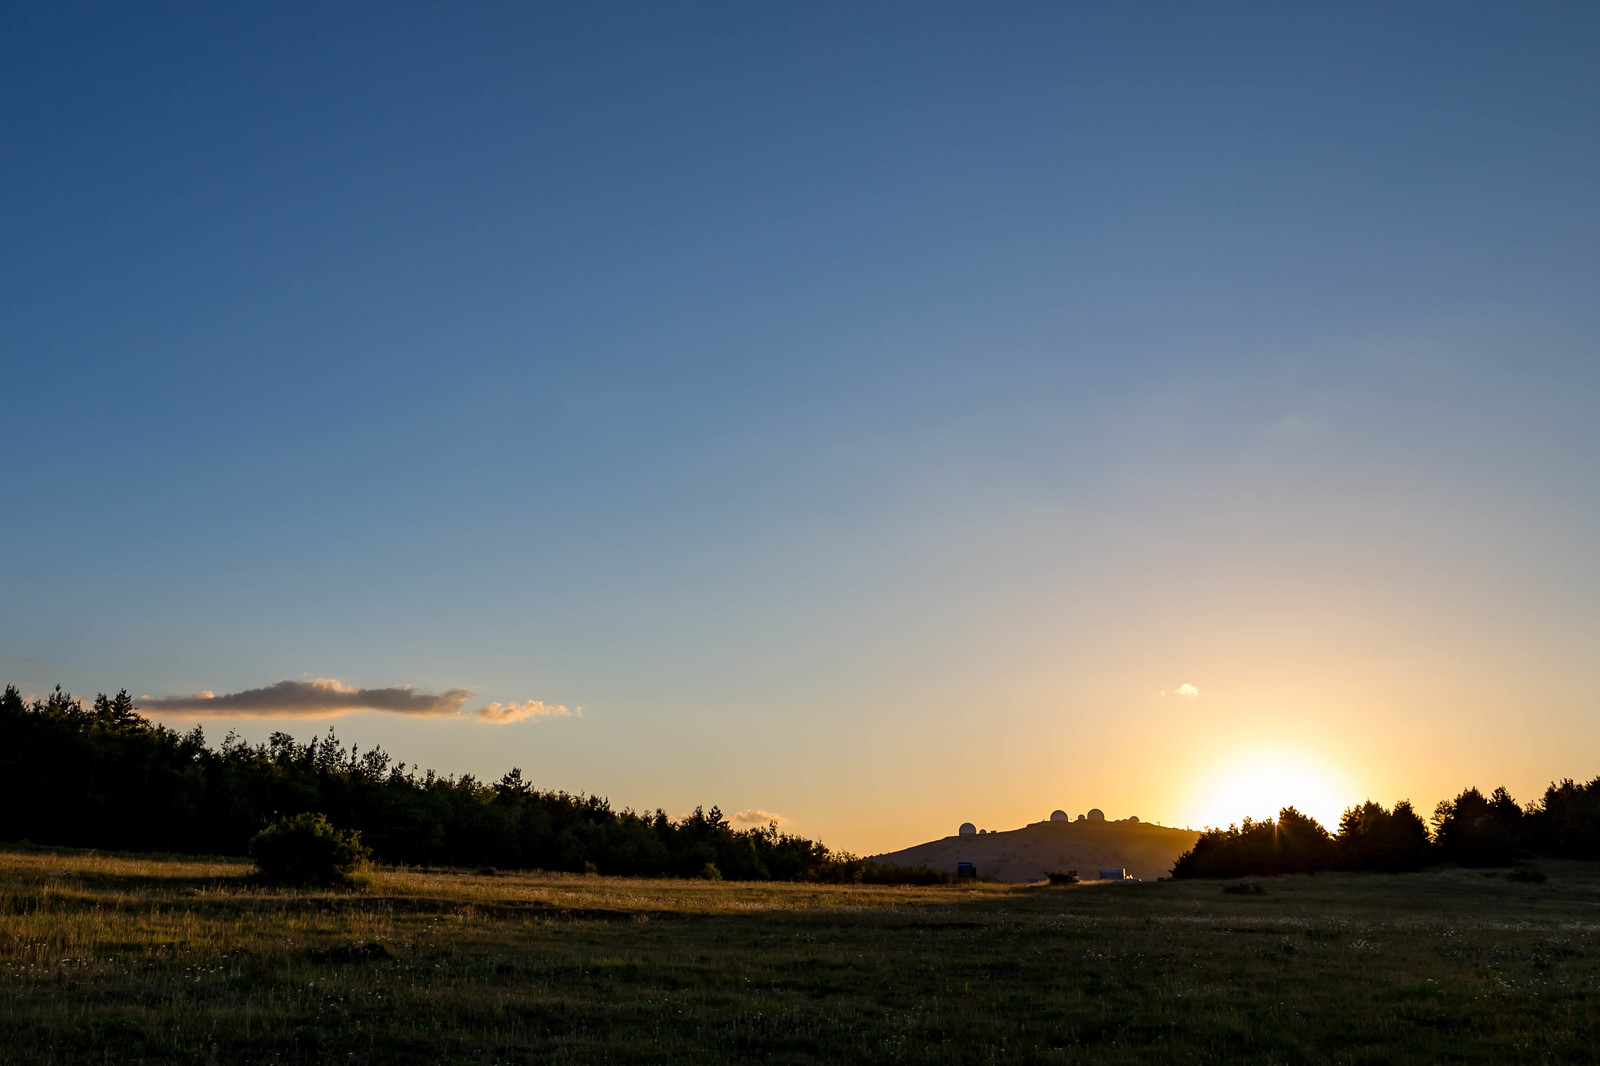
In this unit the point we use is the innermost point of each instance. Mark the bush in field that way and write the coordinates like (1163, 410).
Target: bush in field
(307, 850)
(876, 873)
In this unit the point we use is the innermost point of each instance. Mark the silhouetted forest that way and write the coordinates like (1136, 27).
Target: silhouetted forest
(103, 776)
(1471, 829)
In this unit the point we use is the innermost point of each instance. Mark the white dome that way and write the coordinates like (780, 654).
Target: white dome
(1058, 816)
(967, 829)
(1096, 814)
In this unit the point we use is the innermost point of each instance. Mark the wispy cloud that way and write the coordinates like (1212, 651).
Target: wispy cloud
(1186, 690)
(501, 713)
(757, 816)
(325, 697)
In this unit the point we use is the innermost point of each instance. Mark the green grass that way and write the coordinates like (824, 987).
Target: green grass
(108, 959)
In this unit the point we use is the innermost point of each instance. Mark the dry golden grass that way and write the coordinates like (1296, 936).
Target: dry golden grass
(108, 959)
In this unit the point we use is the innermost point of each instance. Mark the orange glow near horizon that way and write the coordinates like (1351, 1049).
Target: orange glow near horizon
(1261, 783)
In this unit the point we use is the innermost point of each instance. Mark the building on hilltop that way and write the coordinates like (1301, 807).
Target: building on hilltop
(1058, 816)
(967, 830)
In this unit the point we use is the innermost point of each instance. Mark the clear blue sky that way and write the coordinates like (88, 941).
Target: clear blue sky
(862, 414)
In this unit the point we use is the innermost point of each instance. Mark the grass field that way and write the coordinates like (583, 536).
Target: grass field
(108, 959)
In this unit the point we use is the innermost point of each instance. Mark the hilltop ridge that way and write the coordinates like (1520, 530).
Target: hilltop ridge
(1144, 849)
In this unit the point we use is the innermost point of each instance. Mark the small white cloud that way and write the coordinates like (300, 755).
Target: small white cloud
(1186, 690)
(504, 713)
(757, 816)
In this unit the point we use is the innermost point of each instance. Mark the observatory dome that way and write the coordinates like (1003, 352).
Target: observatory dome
(1058, 816)
(967, 830)
(1096, 814)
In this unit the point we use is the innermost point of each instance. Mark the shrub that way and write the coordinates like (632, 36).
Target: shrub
(307, 850)
(710, 872)
(878, 873)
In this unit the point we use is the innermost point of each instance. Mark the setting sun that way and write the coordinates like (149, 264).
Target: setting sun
(1263, 782)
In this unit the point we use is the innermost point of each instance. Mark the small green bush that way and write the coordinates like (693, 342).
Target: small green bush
(307, 850)
(710, 872)
(877, 873)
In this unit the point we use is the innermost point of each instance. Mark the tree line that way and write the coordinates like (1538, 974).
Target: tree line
(104, 776)
(1472, 829)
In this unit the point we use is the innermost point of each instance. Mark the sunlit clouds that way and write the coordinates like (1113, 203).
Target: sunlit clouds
(1185, 690)
(326, 697)
(757, 816)
(317, 698)
(502, 713)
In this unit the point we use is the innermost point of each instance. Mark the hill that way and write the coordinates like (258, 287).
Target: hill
(1144, 849)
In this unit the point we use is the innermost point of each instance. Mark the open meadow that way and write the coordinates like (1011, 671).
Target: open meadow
(116, 959)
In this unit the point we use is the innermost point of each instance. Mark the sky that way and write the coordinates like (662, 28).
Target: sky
(876, 417)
